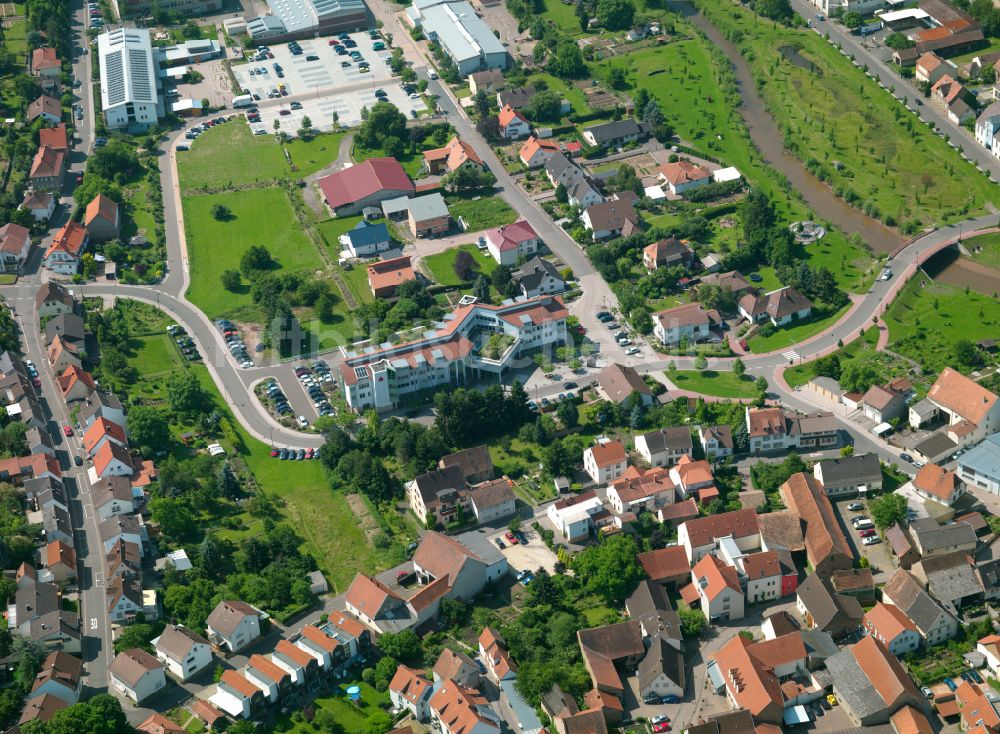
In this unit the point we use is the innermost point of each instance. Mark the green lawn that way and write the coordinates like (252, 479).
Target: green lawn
(861, 348)
(331, 229)
(357, 280)
(441, 265)
(829, 111)
(230, 155)
(577, 99)
(564, 16)
(697, 102)
(483, 213)
(924, 323)
(789, 336)
(411, 162)
(350, 716)
(154, 356)
(710, 382)
(984, 249)
(260, 216)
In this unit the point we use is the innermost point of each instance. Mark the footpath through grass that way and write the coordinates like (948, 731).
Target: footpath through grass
(848, 131)
(258, 217)
(926, 320)
(710, 382)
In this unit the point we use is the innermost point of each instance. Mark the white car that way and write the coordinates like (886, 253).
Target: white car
(632, 350)
(246, 364)
(414, 96)
(303, 423)
(886, 274)
(433, 75)
(918, 464)
(873, 540)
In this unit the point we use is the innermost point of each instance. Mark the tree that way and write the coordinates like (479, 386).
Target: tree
(758, 218)
(221, 213)
(489, 128)
(851, 19)
(568, 414)
(888, 510)
(899, 41)
(102, 714)
(967, 354)
(116, 161)
(378, 722)
(693, 622)
(481, 104)
(761, 384)
(614, 15)
(562, 196)
(468, 179)
(404, 646)
(610, 570)
(383, 121)
(739, 367)
(777, 10)
(567, 62)
(626, 179)
(858, 376)
(137, 635)
(176, 521)
(582, 15)
(148, 428)
(616, 78)
(256, 260)
(186, 396)
(545, 106)
(481, 290)
(464, 265)
(701, 362)
(231, 279)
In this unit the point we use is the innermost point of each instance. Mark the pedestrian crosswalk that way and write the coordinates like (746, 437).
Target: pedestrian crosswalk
(791, 355)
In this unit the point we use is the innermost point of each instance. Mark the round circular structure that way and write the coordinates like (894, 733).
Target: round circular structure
(806, 232)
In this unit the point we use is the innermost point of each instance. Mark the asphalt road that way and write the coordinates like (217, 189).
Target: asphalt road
(880, 67)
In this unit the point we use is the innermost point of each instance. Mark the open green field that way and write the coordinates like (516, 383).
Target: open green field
(789, 336)
(696, 93)
(331, 229)
(564, 16)
(984, 249)
(925, 322)
(230, 155)
(829, 111)
(710, 382)
(441, 265)
(15, 38)
(577, 99)
(483, 213)
(260, 216)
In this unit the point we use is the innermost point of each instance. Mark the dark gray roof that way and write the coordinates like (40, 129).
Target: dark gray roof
(733, 722)
(432, 483)
(722, 434)
(831, 612)
(989, 575)
(650, 604)
(852, 685)
(906, 593)
(532, 273)
(673, 439)
(516, 97)
(67, 325)
(819, 644)
(930, 536)
(66, 623)
(56, 520)
(97, 400)
(38, 437)
(118, 525)
(950, 578)
(41, 486)
(859, 469)
(609, 131)
(559, 163)
(935, 445)
(35, 600)
(661, 657)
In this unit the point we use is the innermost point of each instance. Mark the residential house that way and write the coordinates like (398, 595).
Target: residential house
(440, 493)
(762, 677)
(609, 653)
(616, 383)
(605, 461)
(272, 679)
(426, 215)
(459, 710)
(691, 323)
(41, 204)
(45, 63)
(718, 589)
(48, 169)
(979, 710)
(664, 447)
(609, 219)
(902, 547)
(75, 384)
(62, 354)
(113, 496)
(980, 466)
(124, 599)
(666, 565)
(561, 170)
(366, 184)
(822, 608)
(159, 724)
(826, 547)
(237, 696)
(39, 441)
(536, 152)
(513, 125)
(59, 559)
(932, 539)
(456, 666)
(101, 431)
(871, 684)
(467, 563)
(849, 476)
(56, 524)
(694, 479)
(953, 99)
(410, 691)
(60, 676)
(493, 651)
(732, 281)
(987, 128)
(136, 674)
(112, 459)
(509, 242)
(516, 97)
(63, 255)
(716, 441)
(489, 81)
(52, 299)
(102, 405)
(882, 405)
(667, 253)
(682, 176)
(786, 305)
(455, 155)
(773, 429)
(102, 219)
(971, 411)
(48, 108)
(366, 239)
(935, 624)
(538, 277)
(54, 137)
(475, 463)
(15, 242)
(492, 500)
(699, 537)
(69, 326)
(233, 625)
(989, 648)
(41, 708)
(616, 134)
(641, 490)
(385, 276)
(890, 626)
(302, 666)
(936, 483)
(184, 652)
(124, 559)
(856, 582)
(573, 517)
(950, 578)
(931, 67)
(126, 528)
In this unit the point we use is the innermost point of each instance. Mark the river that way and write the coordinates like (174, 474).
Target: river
(765, 135)
(948, 268)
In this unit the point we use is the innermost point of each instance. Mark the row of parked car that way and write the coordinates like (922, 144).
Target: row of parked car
(281, 405)
(235, 343)
(312, 378)
(294, 454)
(194, 132)
(184, 343)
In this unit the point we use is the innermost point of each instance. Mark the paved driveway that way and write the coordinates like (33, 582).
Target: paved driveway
(879, 556)
(528, 557)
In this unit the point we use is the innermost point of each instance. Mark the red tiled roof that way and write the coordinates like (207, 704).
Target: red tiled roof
(507, 115)
(100, 428)
(13, 238)
(107, 453)
(364, 179)
(510, 236)
(739, 524)
(47, 163)
(609, 453)
(936, 481)
(960, 395)
(44, 57)
(54, 137)
(717, 575)
(240, 684)
(70, 239)
(390, 273)
(103, 207)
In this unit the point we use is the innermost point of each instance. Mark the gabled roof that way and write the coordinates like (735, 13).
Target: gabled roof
(889, 621)
(160, 724)
(748, 669)
(690, 314)
(364, 179)
(46, 105)
(508, 115)
(44, 57)
(682, 172)
(906, 593)
(54, 137)
(608, 453)
(611, 215)
(650, 605)
(958, 394)
(804, 494)
(101, 207)
(785, 302)
(70, 240)
(460, 709)
(61, 667)
(936, 481)
(442, 556)
(602, 646)
(109, 452)
(870, 680)
(48, 162)
(129, 666)
(511, 236)
(13, 238)
(228, 615)
(99, 430)
(738, 523)
(58, 552)
(410, 685)
(713, 577)
(830, 611)
(176, 642)
(368, 595)
(619, 381)
(665, 563)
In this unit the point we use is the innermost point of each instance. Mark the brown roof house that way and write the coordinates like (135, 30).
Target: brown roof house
(184, 652)
(667, 253)
(59, 676)
(475, 463)
(615, 218)
(233, 625)
(49, 109)
(41, 204)
(137, 674)
(616, 383)
(666, 565)
(48, 169)
(610, 653)
(45, 62)
(385, 276)
(455, 155)
(605, 461)
(52, 299)
(824, 609)
(826, 547)
(15, 242)
(102, 219)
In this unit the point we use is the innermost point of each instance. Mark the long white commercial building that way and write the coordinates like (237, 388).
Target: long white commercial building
(453, 354)
(129, 96)
(463, 35)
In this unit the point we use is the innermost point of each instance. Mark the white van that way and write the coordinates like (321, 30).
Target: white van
(864, 524)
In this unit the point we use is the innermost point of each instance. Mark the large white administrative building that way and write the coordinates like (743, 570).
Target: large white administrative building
(129, 96)
(456, 352)
(463, 35)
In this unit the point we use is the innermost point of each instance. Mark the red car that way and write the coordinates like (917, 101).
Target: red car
(510, 538)
(662, 726)
(67, 431)
(867, 533)
(274, 452)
